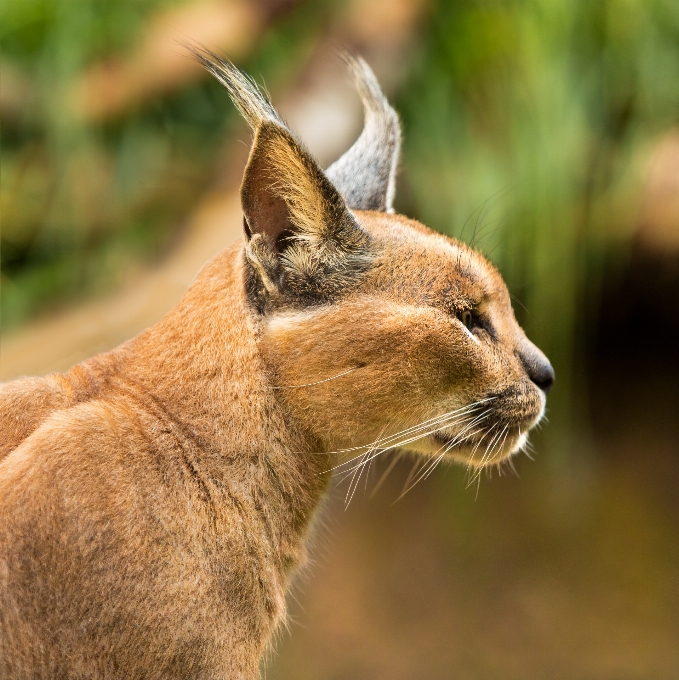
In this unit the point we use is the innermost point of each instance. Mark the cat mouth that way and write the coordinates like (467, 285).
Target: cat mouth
(487, 445)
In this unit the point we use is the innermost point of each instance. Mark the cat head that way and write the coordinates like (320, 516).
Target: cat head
(377, 332)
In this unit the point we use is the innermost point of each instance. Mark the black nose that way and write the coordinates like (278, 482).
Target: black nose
(543, 376)
(537, 366)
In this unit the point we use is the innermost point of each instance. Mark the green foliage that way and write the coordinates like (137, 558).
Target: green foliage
(73, 31)
(525, 122)
(82, 200)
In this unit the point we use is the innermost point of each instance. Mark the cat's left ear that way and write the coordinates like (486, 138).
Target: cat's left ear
(302, 240)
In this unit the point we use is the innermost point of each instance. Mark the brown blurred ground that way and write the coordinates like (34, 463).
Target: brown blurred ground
(521, 582)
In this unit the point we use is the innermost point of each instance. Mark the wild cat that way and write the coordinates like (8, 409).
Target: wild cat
(155, 500)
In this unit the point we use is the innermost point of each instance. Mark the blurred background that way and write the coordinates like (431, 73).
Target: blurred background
(546, 133)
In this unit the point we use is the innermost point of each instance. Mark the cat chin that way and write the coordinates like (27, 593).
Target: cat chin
(474, 454)
(478, 457)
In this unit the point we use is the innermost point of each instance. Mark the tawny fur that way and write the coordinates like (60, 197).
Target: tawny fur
(155, 501)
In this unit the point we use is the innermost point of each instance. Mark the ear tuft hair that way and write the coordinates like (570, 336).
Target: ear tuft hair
(303, 243)
(366, 174)
(251, 102)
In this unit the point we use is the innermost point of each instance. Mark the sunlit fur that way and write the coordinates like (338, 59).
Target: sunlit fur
(413, 359)
(156, 500)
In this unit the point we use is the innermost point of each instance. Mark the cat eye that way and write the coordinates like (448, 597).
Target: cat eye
(466, 318)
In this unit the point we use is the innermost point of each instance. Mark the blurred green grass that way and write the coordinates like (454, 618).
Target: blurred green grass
(82, 201)
(526, 125)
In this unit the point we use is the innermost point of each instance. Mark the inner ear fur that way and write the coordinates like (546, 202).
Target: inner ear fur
(297, 223)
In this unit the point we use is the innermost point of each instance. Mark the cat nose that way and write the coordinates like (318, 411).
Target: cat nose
(543, 376)
(537, 366)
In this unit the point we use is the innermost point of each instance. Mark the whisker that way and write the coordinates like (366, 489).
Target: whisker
(367, 474)
(366, 458)
(356, 477)
(436, 464)
(500, 447)
(441, 422)
(355, 481)
(411, 474)
(490, 449)
(318, 382)
(426, 467)
(478, 444)
(467, 416)
(486, 456)
(433, 463)
(529, 450)
(381, 448)
(460, 411)
(426, 472)
(397, 456)
(477, 473)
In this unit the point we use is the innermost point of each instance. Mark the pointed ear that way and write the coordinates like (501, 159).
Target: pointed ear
(366, 174)
(302, 239)
(286, 196)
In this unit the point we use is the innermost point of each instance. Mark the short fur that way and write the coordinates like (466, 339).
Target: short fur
(155, 500)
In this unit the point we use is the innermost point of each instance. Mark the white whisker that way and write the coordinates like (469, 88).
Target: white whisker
(318, 382)
(433, 463)
(423, 425)
(381, 448)
(390, 467)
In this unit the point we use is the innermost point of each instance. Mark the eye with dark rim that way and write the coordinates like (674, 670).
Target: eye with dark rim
(467, 319)
(477, 323)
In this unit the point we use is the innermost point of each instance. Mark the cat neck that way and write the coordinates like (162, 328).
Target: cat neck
(200, 372)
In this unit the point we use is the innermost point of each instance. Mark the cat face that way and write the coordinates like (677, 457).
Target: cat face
(378, 333)
(424, 353)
